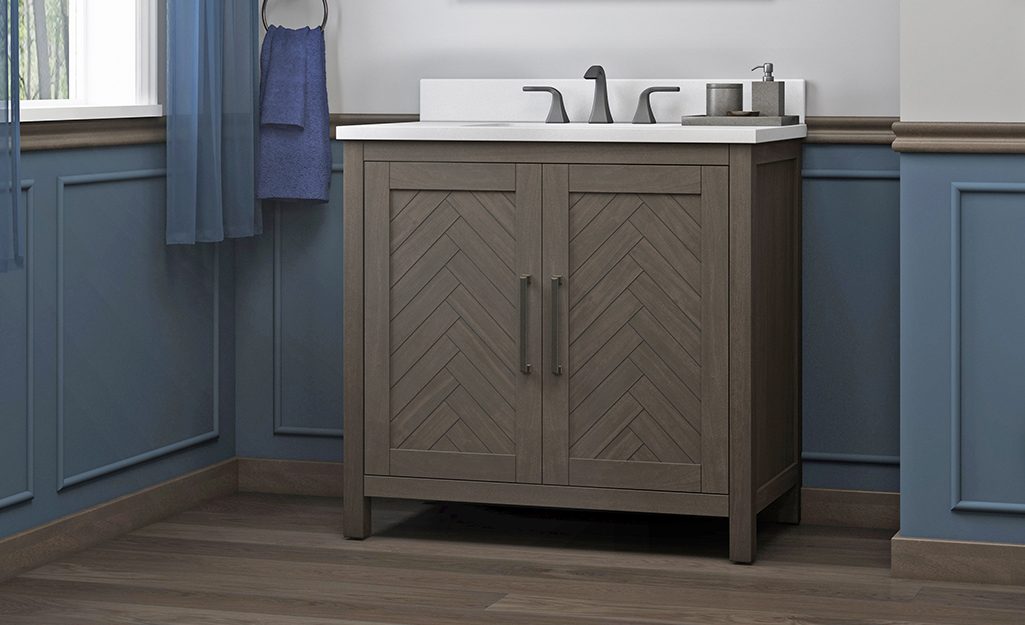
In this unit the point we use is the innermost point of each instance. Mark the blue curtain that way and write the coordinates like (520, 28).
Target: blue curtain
(211, 126)
(12, 244)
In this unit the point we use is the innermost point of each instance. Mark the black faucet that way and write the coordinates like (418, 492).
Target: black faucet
(600, 113)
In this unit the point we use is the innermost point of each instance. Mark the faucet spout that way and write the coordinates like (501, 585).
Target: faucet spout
(600, 112)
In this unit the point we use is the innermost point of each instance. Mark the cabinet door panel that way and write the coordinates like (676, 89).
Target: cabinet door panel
(643, 401)
(444, 321)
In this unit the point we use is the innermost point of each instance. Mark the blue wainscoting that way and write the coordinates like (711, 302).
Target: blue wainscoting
(290, 335)
(851, 317)
(289, 324)
(118, 351)
(963, 347)
(17, 335)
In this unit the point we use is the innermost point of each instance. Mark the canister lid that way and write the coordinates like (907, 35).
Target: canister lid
(724, 85)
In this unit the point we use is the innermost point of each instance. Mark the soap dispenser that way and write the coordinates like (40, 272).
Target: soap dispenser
(767, 96)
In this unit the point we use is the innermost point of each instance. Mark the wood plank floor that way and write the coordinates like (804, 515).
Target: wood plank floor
(268, 559)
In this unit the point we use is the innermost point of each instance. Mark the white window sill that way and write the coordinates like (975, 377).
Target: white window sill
(44, 111)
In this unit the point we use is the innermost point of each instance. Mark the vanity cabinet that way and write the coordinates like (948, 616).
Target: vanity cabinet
(599, 326)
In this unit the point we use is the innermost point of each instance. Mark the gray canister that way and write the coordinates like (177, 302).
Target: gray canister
(721, 98)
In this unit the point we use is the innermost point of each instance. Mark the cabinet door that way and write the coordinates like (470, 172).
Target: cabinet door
(451, 321)
(640, 327)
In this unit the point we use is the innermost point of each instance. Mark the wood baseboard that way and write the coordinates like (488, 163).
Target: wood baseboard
(850, 508)
(62, 537)
(960, 561)
(290, 477)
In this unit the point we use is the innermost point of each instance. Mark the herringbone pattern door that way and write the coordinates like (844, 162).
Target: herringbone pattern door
(642, 321)
(448, 393)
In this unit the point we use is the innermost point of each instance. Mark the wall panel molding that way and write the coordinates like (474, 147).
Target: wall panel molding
(279, 427)
(851, 174)
(812, 456)
(847, 130)
(956, 501)
(959, 137)
(65, 481)
(29, 493)
(88, 133)
(60, 135)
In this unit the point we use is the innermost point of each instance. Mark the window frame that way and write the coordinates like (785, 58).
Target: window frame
(149, 43)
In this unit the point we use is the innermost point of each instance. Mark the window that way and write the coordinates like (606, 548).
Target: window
(85, 59)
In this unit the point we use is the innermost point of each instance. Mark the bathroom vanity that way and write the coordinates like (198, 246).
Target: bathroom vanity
(608, 322)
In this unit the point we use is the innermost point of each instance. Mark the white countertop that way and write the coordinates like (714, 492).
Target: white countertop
(573, 132)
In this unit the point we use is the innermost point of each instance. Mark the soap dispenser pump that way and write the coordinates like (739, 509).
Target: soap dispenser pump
(767, 96)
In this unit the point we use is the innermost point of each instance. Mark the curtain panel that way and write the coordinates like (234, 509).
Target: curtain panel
(211, 125)
(12, 230)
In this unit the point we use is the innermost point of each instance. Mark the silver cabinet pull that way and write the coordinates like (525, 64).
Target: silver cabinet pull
(556, 367)
(524, 283)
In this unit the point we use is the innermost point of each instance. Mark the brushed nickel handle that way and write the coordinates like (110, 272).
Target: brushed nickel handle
(556, 367)
(524, 283)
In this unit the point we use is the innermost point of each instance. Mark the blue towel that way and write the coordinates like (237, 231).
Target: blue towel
(294, 160)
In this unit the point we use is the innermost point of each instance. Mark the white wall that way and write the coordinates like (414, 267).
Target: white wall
(378, 50)
(962, 61)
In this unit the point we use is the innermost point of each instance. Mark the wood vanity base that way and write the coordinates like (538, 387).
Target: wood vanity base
(595, 326)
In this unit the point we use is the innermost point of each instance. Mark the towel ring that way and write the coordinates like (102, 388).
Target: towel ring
(263, 14)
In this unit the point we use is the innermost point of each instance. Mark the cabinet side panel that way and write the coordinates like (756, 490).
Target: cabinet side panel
(742, 515)
(774, 405)
(715, 384)
(377, 343)
(356, 513)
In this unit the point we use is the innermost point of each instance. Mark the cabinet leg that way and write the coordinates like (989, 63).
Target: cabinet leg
(356, 517)
(743, 538)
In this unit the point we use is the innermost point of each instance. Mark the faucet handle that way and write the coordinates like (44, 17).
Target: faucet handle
(644, 114)
(557, 114)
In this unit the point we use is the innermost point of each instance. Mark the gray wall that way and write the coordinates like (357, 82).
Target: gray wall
(117, 350)
(377, 51)
(977, 46)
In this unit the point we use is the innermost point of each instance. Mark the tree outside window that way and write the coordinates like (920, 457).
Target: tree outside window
(44, 49)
